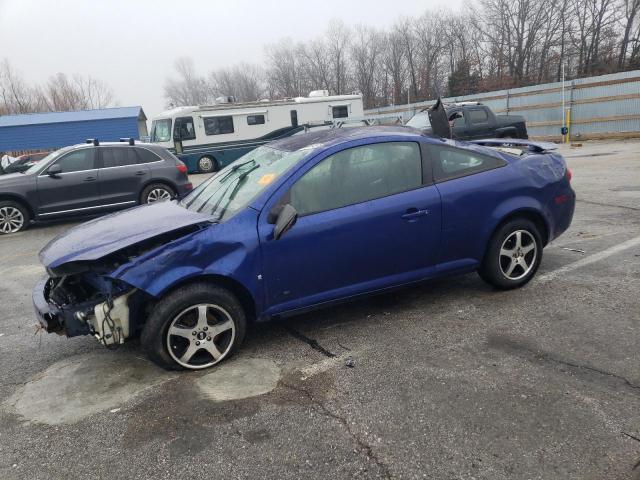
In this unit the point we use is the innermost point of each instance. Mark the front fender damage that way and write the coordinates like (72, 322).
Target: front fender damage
(84, 298)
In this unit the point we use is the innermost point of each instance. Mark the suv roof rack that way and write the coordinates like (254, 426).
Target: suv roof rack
(94, 141)
(130, 141)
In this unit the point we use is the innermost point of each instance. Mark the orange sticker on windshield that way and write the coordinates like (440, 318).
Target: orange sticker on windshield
(267, 179)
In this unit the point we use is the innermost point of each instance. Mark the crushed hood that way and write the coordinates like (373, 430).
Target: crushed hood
(103, 236)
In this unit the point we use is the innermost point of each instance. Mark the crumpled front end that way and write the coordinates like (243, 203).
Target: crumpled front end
(86, 304)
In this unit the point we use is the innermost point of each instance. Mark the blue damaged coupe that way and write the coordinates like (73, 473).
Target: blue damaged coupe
(302, 223)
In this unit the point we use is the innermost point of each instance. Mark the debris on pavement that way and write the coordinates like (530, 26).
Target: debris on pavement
(573, 249)
(349, 362)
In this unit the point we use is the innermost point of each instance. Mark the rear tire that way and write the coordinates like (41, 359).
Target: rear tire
(513, 255)
(194, 327)
(157, 192)
(14, 217)
(207, 164)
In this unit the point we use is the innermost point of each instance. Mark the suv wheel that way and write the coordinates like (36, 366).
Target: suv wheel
(207, 165)
(513, 255)
(157, 192)
(194, 327)
(13, 217)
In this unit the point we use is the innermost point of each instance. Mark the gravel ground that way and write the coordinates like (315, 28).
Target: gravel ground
(447, 380)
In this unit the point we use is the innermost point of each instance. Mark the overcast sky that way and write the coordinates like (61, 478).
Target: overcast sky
(131, 44)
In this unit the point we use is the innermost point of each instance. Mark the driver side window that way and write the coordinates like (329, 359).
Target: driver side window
(357, 175)
(77, 161)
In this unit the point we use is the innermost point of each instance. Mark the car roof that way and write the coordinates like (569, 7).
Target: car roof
(327, 138)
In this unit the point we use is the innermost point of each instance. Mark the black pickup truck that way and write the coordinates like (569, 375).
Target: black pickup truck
(470, 121)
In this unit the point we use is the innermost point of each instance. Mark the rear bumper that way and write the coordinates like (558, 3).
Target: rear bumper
(563, 209)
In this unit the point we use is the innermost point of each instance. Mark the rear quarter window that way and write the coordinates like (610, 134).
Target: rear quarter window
(450, 163)
(147, 156)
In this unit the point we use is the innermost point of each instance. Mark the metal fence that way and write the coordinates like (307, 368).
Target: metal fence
(603, 107)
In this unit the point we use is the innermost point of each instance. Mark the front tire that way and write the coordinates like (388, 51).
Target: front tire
(13, 217)
(513, 255)
(194, 327)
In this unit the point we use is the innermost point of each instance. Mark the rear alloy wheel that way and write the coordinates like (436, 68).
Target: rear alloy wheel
(13, 218)
(157, 193)
(194, 327)
(513, 255)
(207, 165)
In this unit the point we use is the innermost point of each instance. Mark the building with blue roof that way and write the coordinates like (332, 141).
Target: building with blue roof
(53, 130)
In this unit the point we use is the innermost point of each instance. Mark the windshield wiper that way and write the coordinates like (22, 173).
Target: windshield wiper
(235, 168)
(233, 193)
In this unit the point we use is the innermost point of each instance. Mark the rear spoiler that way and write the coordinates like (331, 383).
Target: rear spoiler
(533, 147)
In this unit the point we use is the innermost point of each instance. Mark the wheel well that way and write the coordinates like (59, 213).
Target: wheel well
(21, 201)
(242, 294)
(533, 216)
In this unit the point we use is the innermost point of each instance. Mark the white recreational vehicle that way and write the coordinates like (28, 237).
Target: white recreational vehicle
(207, 138)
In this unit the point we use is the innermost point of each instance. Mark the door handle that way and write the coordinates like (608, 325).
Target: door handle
(90, 179)
(412, 213)
(141, 172)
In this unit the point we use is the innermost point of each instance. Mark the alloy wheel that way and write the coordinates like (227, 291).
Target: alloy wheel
(518, 254)
(158, 195)
(11, 220)
(200, 336)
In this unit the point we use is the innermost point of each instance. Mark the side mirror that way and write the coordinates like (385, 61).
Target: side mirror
(286, 219)
(54, 170)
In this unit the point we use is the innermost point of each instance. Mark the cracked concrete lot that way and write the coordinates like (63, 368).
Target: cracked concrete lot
(446, 380)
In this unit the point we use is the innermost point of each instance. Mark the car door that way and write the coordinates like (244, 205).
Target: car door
(471, 186)
(369, 217)
(120, 176)
(478, 123)
(74, 190)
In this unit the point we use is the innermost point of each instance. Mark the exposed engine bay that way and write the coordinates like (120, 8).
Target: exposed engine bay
(87, 304)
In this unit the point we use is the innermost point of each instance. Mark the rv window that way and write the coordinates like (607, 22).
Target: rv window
(341, 112)
(183, 129)
(218, 125)
(255, 119)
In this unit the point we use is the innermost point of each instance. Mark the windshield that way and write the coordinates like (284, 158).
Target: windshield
(46, 160)
(161, 130)
(235, 186)
(419, 120)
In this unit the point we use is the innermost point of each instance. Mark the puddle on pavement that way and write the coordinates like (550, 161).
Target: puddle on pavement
(240, 378)
(78, 387)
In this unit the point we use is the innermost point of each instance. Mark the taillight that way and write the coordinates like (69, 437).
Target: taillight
(182, 168)
(569, 174)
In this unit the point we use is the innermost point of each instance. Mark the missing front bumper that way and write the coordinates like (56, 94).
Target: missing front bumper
(108, 321)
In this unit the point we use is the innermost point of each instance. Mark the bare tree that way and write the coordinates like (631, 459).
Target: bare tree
(63, 93)
(15, 94)
(245, 82)
(395, 66)
(367, 50)
(630, 13)
(285, 74)
(338, 40)
(189, 89)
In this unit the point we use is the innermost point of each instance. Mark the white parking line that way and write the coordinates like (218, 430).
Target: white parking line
(596, 257)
